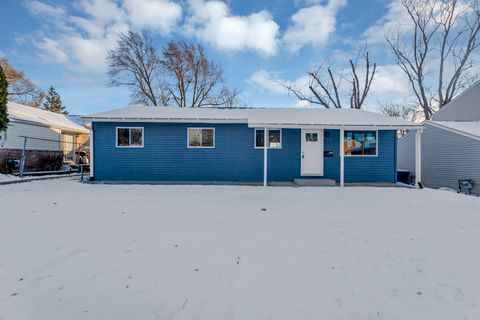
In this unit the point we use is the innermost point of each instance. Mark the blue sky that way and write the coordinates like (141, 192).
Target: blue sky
(258, 43)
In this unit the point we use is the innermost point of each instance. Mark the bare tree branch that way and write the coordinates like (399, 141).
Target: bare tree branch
(445, 31)
(135, 63)
(20, 88)
(327, 92)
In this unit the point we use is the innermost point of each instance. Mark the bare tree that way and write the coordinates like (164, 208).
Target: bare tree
(181, 75)
(20, 88)
(325, 89)
(402, 111)
(194, 80)
(444, 35)
(135, 63)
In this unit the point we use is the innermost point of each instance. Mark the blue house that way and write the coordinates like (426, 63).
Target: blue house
(162, 144)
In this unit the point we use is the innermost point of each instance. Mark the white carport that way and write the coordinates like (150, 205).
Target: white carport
(271, 118)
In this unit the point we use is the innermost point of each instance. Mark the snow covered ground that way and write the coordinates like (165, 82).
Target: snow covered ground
(8, 177)
(77, 251)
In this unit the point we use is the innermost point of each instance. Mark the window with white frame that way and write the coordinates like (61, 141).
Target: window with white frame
(274, 138)
(360, 143)
(130, 137)
(201, 137)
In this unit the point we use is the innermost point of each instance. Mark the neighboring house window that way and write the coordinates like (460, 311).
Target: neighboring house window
(201, 137)
(130, 137)
(274, 138)
(360, 143)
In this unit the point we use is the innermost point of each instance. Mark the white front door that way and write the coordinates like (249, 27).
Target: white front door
(312, 153)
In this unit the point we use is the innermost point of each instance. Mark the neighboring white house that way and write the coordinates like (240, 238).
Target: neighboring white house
(450, 144)
(45, 131)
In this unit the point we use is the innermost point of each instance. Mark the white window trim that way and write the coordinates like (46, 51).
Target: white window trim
(260, 129)
(129, 137)
(364, 155)
(200, 147)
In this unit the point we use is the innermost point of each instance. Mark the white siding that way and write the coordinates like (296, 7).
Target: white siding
(406, 152)
(448, 157)
(466, 107)
(12, 138)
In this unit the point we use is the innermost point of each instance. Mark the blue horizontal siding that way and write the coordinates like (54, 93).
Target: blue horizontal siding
(381, 168)
(166, 157)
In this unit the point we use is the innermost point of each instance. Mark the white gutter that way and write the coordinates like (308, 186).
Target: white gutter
(258, 125)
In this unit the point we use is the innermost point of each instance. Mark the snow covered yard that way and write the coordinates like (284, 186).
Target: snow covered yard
(76, 251)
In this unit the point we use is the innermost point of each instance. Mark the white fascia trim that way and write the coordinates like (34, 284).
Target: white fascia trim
(40, 124)
(462, 133)
(333, 126)
(167, 120)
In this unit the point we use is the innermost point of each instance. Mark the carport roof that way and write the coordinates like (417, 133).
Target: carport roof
(256, 117)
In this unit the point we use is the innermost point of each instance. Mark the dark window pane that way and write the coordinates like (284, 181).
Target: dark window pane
(136, 137)
(360, 143)
(274, 138)
(207, 138)
(194, 137)
(311, 137)
(259, 142)
(123, 137)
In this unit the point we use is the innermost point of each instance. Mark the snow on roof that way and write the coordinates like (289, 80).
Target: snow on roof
(468, 127)
(255, 117)
(35, 115)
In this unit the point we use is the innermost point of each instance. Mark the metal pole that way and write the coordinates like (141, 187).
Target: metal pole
(22, 160)
(342, 158)
(81, 172)
(266, 141)
(418, 158)
(90, 155)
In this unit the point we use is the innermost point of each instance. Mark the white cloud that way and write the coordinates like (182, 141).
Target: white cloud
(389, 85)
(156, 15)
(90, 52)
(212, 22)
(312, 25)
(271, 81)
(267, 81)
(302, 104)
(52, 51)
(82, 40)
(40, 8)
(102, 10)
(389, 81)
(395, 19)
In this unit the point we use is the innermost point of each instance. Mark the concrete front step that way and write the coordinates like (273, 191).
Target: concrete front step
(314, 182)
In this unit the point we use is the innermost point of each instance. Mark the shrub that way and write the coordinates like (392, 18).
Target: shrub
(50, 161)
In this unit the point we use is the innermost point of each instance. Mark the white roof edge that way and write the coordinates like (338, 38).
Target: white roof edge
(39, 117)
(334, 126)
(257, 117)
(69, 129)
(451, 102)
(453, 130)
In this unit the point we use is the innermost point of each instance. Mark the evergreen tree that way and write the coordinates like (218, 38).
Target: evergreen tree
(53, 102)
(3, 100)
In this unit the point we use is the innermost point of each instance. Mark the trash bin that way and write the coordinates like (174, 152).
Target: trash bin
(402, 176)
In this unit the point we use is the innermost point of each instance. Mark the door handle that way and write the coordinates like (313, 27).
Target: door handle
(303, 156)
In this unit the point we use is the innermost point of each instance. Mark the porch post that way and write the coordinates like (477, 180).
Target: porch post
(266, 139)
(418, 158)
(92, 173)
(342, 158)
